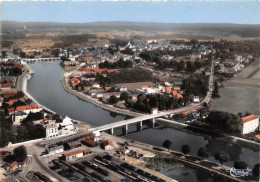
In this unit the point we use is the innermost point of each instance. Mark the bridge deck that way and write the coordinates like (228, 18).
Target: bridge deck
(129, 121)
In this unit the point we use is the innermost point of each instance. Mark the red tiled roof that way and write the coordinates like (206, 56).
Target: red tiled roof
(145, 86)
(108, 142)
(174, 92)
(179, 96)
(10, 110)
(107, 88)
(72, 153)
(248, 118)
(27, 107)
(11, 165)
(9, 94)
(11, 102)
(168, 89)
(86, 151)
(74, 81)
(187, 112)
(98, 70)
(88, 141)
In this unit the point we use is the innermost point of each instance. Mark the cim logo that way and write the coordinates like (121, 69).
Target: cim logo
(239, 172)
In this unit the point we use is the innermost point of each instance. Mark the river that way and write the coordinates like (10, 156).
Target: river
(46, 87)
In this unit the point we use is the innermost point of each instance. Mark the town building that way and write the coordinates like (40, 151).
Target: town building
(108, 145)
(66, 127)
(55, 149)
(69, 156)
(51, 129)
(249, 124)
(18, 117)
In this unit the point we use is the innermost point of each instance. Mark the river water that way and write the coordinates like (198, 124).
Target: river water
(46, 87)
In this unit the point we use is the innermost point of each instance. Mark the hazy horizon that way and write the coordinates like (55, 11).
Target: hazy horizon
(233, 12)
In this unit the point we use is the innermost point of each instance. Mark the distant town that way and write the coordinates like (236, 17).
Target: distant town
(156, 82)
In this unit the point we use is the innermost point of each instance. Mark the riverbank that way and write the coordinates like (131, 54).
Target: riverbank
(97, 103)
(202, 131)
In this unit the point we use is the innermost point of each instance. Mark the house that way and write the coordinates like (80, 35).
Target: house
(179, 96)
(122, 88)
(96, 85)
(66, 127)
(11, 102)
(108, 145)
(26, 109)
(154, 111)
(185, 113)
(86, 151)
(249, 124)
(72, 145)
(107, 88)
(174, 93)
(143, 87)
(69, 156)
(123, 150)
(196, 99)
(9, 94)
(6, 83)
(55, 149)
(14, 165)
(89, 142)
(168, 89)
(74, 81)
(176, 88)
(51, 129)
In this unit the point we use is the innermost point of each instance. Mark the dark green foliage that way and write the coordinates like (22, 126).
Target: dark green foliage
(113, 99)
(185, 149)
(196, 85)
(240, 165)
(225, 121)
(131, 75)
(119, 64)
(203, 152)
(118, 42)
(256, 170)
(124, 96)
(127, 51)
(20, 153)
(215, 93)
(167, 144)
(33, 117)
(6, 136)
(222, 157)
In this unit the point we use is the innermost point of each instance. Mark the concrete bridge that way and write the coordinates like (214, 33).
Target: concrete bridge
(139, 120)
(40, 59)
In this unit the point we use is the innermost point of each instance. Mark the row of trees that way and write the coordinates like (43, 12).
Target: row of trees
(119, 64)
(221, 156)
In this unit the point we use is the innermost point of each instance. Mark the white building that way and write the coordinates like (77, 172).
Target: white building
(55, 150)
(249, 124)
(196, 99)
(51, 129)
(108, 145)
(73, 155)
(66, 127)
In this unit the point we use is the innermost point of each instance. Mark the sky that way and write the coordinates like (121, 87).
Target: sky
(166, 11)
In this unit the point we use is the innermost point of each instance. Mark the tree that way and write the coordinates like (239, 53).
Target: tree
(20, 153)
(256, 170)
(222, 157)
(185, 149)
(203, 152)
(124, 96)
(240, 165)
(113, 99)
(167, 144)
